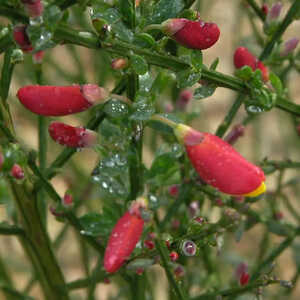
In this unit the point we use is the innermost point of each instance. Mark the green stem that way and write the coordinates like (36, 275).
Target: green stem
(273, 255)
(40, 248)
(257, 9)
(90, 40)
(293, 11)
(11, 230)
(5, 278)
(235, 291)
(67, 214)
(64, 4)
(184, 194)
(14, 14)
(230, 115)
(6, 40)
(161, 248)
(14, 294)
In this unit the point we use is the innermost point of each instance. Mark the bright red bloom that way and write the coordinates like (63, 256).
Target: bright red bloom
(192, 34)
(122, 241)
(60, 100)
(243, 57)
(70, 136)
(219, 164)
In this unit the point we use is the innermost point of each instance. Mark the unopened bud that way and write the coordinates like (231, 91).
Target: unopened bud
(119, 63)
(289, 46)
(179, 271)
(38, 57)
(278, 215)
(174, 256)
(149, 244)
(240, 269)
(275, 11)
(265, 9)
(17, 172)
(244, 278)
(106, 280)
(174, 190)
(236, 132)
(67, 200)
(194, 208)
(34, 8)
(1, 160)
(21, 38)
(175, 224)
(183, 100)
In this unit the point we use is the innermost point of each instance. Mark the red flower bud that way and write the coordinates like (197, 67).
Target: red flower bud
(38, 57)
(174, 190)
(179, 271)
(192, 34)
(21, 38)
(1, 160)
(61, 100)
(244, 278)
(174, 256)
(149, 244)
(70, 136)
(119, 63)
(17, 172)
(289, 46)
(243, 57)
(183, 100)
(122, 241)
(236, 132)
(34, 8)
(219, 164)
(265, 9)
(67, 200)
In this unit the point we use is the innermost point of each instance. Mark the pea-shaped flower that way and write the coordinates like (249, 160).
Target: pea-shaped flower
(123, 240)
(219, 164)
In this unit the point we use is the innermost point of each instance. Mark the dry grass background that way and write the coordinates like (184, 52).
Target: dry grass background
(272, 138)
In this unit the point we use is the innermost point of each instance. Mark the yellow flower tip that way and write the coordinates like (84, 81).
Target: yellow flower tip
(260, 190)
(181, 131)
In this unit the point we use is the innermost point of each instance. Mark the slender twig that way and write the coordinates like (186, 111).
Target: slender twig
(161, 248)
(257, 9)
(222, 128)
(293, 11)
(235, 290)
(6, 229)
(273, 255)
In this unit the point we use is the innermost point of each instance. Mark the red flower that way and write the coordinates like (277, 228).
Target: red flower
(219, 164)
(243, 57)
(122, 241)
(192, 34)
(60, 100)
(70, 136)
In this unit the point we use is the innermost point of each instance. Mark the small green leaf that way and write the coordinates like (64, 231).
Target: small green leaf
(187, 78)
(205, 91)
(139, 64)
(165, 9)
(276, 83)
(52, 15)
(278, 228)
(144, 40)
(40, 37)
(163, 128)
(128, 12)
(245, 73)
(143, 109)
(196, 59)
(97, 225)
(214, 64)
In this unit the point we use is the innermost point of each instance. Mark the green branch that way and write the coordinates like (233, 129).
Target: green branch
(235, 290)
(161, 248)
(257, 9)
(293, 11)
